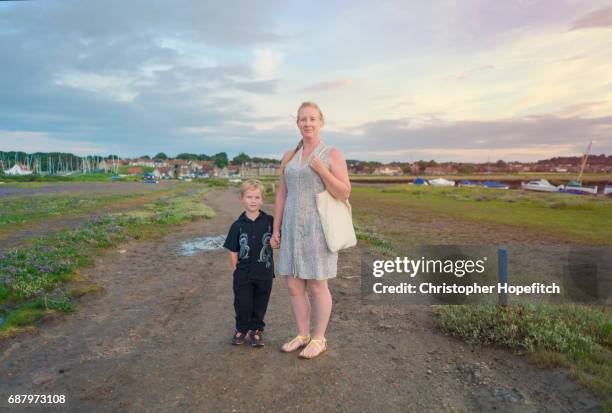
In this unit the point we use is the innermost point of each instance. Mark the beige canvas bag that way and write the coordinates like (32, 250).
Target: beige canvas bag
(337, 221)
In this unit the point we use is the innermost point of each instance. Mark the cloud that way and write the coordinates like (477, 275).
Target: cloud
(267, 62)
(33, 141)
(528, 137)
(595, 19)
(329, 86)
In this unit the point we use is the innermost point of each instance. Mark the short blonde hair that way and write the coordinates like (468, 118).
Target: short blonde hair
(252, 184)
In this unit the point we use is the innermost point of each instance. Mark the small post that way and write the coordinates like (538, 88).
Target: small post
(502, 274)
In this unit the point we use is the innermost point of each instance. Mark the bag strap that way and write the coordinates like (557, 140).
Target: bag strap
(346, 202)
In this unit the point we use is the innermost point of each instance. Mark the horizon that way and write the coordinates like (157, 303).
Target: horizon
(231, 157)
(410, 81)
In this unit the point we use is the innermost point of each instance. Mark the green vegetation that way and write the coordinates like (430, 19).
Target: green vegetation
(575, 336)
(575, 218)
(578, 337)
(27, 209)
(31, 277)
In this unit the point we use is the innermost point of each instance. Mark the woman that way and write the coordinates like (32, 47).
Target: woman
(304, 258)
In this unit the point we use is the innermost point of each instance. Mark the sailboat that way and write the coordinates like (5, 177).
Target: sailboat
(575, 187)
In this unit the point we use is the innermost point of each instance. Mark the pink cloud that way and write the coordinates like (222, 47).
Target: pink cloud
(596, 18)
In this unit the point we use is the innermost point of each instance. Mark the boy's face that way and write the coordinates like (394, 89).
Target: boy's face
(252, 200)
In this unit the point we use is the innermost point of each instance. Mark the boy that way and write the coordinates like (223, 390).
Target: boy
(250, 253)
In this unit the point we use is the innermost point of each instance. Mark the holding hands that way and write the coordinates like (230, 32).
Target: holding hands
(275, 240)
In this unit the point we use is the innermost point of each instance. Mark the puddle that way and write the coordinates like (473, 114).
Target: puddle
(196, 245)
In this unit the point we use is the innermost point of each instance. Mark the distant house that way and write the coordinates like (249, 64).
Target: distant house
(220, 172)
(18, 169)
(258, 169)
(102, 166)
(163, 172)
(134, 170)
(388, 170)
(440, 170)
(147, 163)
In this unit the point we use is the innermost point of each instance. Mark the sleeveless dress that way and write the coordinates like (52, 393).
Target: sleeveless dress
(303, 251)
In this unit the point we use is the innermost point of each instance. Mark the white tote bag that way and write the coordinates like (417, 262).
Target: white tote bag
(337, 221)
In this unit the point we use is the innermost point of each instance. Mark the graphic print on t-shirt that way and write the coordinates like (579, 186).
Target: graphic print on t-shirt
(266, 250)
(244, 245)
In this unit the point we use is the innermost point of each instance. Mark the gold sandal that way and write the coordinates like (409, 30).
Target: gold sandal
(321, 345)
(301, 340)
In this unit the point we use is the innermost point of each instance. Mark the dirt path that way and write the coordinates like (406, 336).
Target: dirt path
(156, 340)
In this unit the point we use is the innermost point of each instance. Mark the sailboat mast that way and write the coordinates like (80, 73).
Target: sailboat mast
(584, 161)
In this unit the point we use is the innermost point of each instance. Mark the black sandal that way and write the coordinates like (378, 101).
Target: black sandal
(239, 338)
(256, 338)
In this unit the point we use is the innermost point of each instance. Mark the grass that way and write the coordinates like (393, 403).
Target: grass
(31, 277)
(27, 209)
(578, 337)
(567, 217)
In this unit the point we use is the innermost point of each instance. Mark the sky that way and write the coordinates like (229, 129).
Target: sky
(466, 81)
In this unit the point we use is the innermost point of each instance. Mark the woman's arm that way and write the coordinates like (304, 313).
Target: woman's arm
(279, 206)
(336, 178)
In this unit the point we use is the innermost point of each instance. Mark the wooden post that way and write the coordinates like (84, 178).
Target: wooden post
(502, 274)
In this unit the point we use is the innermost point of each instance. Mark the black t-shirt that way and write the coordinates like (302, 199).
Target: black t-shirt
(251, 240)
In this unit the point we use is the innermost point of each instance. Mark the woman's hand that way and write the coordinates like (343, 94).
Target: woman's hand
(275, 240)
(317, 164)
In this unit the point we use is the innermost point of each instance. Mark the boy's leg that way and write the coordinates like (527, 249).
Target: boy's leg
(261, 296)
(243, 302)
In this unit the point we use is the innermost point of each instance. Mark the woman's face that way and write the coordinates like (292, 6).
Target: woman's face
(309, 122)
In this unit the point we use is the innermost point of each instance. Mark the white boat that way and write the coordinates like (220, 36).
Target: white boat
(608, 190)
(541, 185)
(441, 182)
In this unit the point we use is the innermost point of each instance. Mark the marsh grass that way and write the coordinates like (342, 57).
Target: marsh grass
(581, 219)
(30, 276)
(578, 337)
(575, 336)
(19, 210)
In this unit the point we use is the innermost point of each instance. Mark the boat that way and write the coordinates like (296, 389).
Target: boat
(441, 182)
(541, 185)
(465, 182)
(495, 185)
(419, 181)
(608, 189)
(574, 187)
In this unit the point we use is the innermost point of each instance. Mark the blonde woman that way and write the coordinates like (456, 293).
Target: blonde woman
(304, 258)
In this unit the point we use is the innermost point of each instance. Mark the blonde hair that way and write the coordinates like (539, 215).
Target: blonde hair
(301, 142)
(252, 184)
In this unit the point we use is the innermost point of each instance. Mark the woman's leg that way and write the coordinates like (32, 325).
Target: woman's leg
(299, 303)
(321, 306)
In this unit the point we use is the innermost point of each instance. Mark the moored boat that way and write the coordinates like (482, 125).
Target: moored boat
(441, 182)
(465, 182)
(541, 185)
(574, 187)
(419, 181)
(495, 185)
